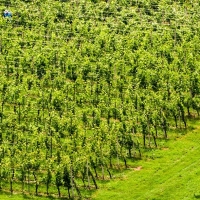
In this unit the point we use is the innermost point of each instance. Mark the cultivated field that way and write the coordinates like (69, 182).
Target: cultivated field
(92, 91)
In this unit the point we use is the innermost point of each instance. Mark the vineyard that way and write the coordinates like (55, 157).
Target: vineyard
(87, 85)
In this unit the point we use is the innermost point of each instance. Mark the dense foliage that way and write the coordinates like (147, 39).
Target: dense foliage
(86, 84)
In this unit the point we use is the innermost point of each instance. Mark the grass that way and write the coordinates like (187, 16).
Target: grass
(170, 172)
(6, 196)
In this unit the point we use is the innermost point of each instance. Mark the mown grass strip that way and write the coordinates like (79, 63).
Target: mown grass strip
(173, 174)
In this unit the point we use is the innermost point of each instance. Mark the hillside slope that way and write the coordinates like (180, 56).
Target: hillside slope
(174, 174)
(87, 86)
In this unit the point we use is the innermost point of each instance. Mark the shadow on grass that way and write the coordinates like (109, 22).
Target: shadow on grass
(29, 196)
(26, 196)
(197, 196)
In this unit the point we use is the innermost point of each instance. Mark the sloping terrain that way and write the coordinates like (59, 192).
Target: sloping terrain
(87, 86)
(173, 174)
(170, 172)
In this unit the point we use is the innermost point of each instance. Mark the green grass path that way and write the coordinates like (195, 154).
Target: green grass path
(172, 173)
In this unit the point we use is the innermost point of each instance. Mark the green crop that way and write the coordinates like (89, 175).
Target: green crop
(88, 85)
